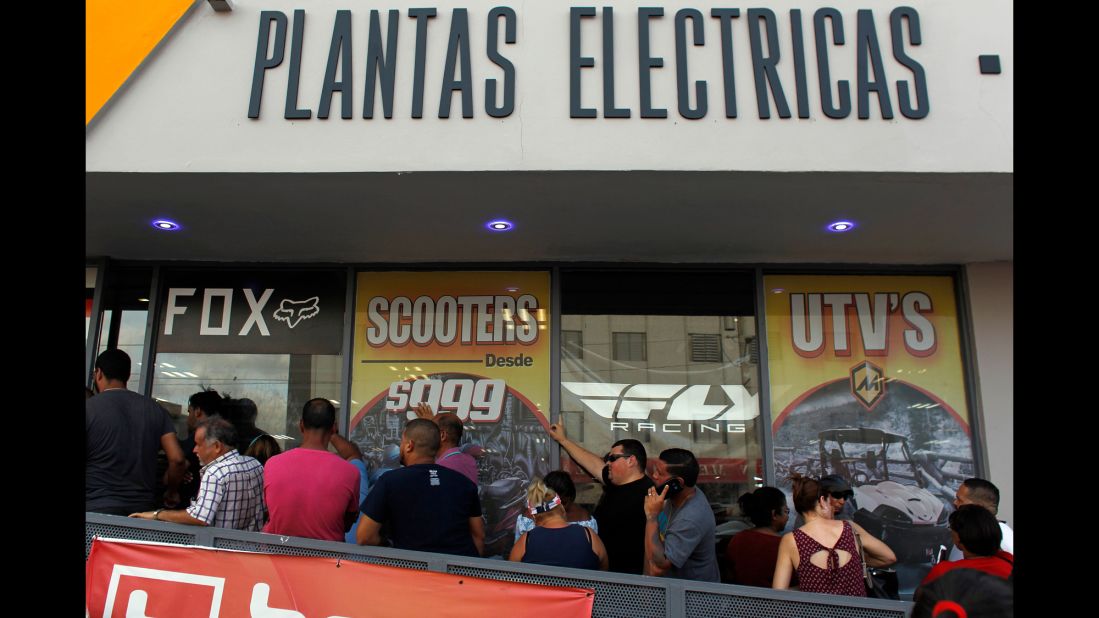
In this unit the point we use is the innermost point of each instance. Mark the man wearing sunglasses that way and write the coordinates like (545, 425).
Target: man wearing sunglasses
(621, 510)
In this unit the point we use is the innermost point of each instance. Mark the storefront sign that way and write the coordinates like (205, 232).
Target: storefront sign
(221, 312)
(820, 34)
(667, 408)
(867, 382)
(137, 579)
(473, 343)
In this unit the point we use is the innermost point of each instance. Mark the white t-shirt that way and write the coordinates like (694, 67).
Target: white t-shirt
(1007, 544)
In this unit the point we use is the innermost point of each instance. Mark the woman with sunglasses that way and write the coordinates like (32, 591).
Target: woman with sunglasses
(553, 541)
(752, 554)
(824, 552)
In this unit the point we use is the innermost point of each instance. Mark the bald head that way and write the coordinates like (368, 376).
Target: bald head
(424, 436)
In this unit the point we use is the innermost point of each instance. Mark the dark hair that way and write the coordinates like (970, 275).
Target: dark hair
(451, 424)
(681, 463)
(208, 400)
(115, 364)
(219, 429)
(762, 504)
(635, 448)
(248, 411)
(560, 482)
(424, 435)
(263, 447)
(318, 413)
(983, 492)
(806, 491)
(978, 594)
(977, 529)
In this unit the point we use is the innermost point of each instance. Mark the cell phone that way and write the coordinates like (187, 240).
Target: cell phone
(673, 485)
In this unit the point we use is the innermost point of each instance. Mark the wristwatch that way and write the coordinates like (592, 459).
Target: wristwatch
(156, 514)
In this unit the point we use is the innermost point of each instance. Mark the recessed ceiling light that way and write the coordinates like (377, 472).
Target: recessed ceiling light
(166, 225)
(499, 225)
(143, 300)
(841, 226)
(512, 289)
(778, 290)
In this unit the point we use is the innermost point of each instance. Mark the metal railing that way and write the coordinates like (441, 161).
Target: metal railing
(616, 595)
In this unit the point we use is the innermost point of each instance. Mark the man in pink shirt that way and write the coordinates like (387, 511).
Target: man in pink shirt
(450, 434)
(311, 492)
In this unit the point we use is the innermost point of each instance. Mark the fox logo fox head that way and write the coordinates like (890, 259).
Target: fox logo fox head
(294, 311)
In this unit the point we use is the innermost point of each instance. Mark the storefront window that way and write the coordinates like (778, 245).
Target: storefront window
(279, 384)
(125, 312)
(673, 353)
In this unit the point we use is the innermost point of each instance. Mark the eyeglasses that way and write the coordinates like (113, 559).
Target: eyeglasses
(842, 495)
(608, 458)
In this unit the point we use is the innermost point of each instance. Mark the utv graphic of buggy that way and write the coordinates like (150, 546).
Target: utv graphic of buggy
(911, 515)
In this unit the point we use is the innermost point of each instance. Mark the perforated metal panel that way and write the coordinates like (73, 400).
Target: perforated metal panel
(291, 550)
(92, 530)
(706, 604)
(611, 600)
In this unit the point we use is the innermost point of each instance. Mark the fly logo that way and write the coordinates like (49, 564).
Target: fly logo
(680, 404)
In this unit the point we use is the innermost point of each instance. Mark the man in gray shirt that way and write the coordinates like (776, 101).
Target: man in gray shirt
(679, 524)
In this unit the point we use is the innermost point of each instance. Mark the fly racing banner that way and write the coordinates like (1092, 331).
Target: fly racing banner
(867, 383)
(476, 344)
(252, 312)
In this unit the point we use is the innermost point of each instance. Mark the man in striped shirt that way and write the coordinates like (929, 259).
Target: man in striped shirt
(230, 494)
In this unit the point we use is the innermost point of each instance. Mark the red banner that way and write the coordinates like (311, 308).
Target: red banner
(130, 579)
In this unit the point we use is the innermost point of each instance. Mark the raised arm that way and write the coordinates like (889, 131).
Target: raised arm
(878, 553)
(346, 448)
(592, 463)
(656, 562)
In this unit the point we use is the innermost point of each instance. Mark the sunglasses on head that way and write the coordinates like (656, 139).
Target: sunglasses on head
(842, 495)
(608, 458)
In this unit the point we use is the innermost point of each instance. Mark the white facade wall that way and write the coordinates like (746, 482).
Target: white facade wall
(186, 108)
(991, 305)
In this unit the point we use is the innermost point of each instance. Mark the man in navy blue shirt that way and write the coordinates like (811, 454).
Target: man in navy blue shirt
(426, 507)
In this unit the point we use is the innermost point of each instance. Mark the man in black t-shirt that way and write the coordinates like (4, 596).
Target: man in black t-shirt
(621, 511)
(123, 431)
(426, 507)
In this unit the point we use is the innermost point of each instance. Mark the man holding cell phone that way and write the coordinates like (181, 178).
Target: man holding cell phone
(683, 547)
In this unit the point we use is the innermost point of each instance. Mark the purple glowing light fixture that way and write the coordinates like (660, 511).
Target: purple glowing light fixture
(166, 225)
(841, 226)
(499, 225)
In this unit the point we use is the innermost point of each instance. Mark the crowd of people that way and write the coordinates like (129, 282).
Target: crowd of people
(228, 473)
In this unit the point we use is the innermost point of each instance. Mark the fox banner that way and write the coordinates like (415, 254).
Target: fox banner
(473, 343)
(126, 579)
(867, 383)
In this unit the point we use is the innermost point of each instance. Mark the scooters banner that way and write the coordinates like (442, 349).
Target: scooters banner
(473, 343)
(138, 579)
(867, 382)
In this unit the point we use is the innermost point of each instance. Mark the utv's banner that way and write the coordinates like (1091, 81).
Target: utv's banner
(473, 343)
(867, 382)
(125, 579)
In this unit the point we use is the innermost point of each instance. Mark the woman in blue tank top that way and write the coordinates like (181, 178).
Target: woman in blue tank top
(553, 541)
